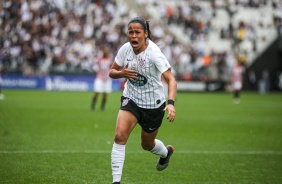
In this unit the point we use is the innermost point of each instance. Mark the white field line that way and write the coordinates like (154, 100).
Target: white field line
(140, 152)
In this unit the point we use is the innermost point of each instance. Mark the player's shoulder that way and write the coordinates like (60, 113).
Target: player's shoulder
(153, 46)
(154, 51)
(124, 50)
(125, 46)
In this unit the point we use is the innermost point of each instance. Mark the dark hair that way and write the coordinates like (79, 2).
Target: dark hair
(144, 23)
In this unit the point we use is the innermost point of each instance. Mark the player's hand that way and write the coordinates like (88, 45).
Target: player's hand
(171, 112)
(127, 73)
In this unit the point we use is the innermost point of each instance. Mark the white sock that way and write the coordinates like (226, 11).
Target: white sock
(159, 149)
(117, 158)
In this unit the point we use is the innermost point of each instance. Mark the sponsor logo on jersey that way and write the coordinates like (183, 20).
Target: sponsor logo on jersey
(140, 80)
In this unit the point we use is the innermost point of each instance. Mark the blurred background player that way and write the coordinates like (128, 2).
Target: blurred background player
(237, 72)
(2, 97)
(102, 82)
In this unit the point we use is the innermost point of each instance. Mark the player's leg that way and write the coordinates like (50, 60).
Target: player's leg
(94, 100)
(104, 100)
(155, 146)
(150, 124)
(237, 89)
(2, 97)
(107, 89)
(98, 88)
(126, 121)
(150, 143)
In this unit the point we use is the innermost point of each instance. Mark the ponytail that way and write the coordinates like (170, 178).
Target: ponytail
(148, 29)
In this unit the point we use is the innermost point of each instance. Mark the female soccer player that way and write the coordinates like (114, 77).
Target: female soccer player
(142, 63)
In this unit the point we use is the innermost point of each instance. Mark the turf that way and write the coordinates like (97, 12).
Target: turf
(53, 137)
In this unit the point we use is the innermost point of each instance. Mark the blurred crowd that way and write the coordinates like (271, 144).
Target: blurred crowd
(39, 37)
(197, 21)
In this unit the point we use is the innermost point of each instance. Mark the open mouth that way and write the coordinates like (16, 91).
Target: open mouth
(134, 43)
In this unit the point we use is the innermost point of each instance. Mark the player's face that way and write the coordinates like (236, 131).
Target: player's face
(106, 52)
(137, 37)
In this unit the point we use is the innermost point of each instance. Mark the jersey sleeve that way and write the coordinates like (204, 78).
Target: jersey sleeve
(160, 61)
(120, 57)
(95, 65)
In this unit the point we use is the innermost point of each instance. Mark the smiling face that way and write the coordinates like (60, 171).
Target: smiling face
(137, 37)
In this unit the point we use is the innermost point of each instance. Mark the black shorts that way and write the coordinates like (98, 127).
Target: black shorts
(149, 119)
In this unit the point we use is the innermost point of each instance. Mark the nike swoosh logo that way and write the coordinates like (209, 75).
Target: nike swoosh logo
(129, 59)
(151, 128)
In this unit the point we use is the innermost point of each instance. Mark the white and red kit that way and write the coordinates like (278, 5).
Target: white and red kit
(237, 77)
(103, 83)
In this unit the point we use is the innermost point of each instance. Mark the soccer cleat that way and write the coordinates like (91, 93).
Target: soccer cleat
(116, 183)
(163, 162)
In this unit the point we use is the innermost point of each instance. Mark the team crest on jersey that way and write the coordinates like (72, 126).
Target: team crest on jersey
(125, 101)
(141, 63)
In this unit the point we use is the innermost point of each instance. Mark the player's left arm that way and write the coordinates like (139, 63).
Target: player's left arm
(172, 87)
(95, 66)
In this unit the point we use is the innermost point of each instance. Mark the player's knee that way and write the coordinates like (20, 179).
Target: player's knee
(147, 146)
(120, 139)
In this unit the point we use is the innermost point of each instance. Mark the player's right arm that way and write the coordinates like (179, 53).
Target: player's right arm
(116, 72)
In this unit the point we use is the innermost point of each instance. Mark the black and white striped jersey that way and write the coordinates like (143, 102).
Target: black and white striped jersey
(146, 90)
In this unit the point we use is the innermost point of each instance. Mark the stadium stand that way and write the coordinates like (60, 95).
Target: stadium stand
(201, 38)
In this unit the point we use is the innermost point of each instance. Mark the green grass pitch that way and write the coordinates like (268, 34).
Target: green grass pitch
(53, 137)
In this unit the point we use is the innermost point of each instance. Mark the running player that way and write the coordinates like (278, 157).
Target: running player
(102, 83)
(142, 63)
(237, 81)
(2, 97)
